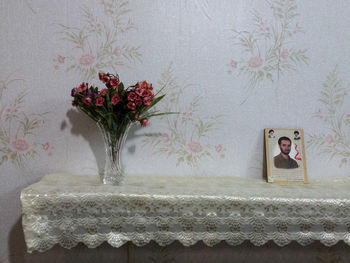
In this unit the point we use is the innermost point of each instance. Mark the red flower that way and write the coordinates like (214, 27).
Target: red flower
(139, 91)
(87, 101)
(83, 86)
(138, 101)
(146, 101)
(144, 122)
(114, 82)
(150, 93)
(132, 96)
(131, 105)
(100, 76)
(115, 99)
(144, 84)
(106, 79)
(144, 93)
(99, 101)
(103, 92)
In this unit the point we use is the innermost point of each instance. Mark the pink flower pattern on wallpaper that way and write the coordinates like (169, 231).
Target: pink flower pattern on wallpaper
(268, 51)
(186, 136)
(98, 44)
(19, 140)
(335, 141)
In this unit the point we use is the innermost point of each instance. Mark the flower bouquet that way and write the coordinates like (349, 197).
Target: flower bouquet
(115, 108)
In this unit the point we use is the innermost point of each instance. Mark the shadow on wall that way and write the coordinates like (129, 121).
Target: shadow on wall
(82, 125)
(80, 253)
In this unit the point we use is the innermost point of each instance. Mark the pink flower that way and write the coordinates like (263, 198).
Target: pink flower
(117, 51)
(195, 147)
(138, 101)
(86, 60)
(87, 101)
(144, 92)
(144, 122)
(222, 156)
(103, 92)
(50, 154)
(347, 116)
(143, 84)
(132, 96)
(115, 99)
(100, 75)
(255, 62)
(83, 86)
(60, 59)
(114, 82)
(46, 146)
(139, 91)
(150, 93)
(329, 139)
(20, 145)
(233, 63)
(106, 79)
(99, 101)
(131, 105)
(146, 101)
(285, 53)
(56, 67)
(219, 148)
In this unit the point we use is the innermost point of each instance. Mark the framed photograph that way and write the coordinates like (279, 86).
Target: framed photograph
(285, 156)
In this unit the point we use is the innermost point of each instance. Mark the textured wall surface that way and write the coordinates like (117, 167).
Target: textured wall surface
(231, 68)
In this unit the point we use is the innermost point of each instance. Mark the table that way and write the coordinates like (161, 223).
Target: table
(67, 209)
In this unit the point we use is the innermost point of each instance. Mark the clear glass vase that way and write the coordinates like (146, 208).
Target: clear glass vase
(114, 140)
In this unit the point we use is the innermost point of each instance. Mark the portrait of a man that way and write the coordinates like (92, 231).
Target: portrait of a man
(296, 135)
(283, 160)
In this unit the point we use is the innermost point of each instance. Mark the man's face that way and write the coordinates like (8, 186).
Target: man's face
(285, 146)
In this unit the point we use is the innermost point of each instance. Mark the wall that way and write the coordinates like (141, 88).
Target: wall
(232, 68)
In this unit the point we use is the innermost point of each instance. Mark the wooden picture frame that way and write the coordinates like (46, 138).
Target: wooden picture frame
(285, 155)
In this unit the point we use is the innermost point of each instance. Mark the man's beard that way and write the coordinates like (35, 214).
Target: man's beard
(285, 152)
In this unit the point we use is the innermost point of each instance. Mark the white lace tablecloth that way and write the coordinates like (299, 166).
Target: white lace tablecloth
(68, 209)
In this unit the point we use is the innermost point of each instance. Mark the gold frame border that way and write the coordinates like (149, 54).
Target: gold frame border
(268, 167)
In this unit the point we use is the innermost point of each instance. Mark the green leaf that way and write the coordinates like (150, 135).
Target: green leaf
(157, 114)
(121, 88)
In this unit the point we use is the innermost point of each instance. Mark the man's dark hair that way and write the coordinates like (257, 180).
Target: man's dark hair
(296, 132)
(284, 138)
(271, 131)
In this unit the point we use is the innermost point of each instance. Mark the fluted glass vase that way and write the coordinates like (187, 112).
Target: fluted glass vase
(114, 140)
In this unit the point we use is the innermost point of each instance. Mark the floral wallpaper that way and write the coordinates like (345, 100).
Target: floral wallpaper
(332, 114)
(97, 44)
(229, 69)
(268, 51)
(187, 134)
(19, 132)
